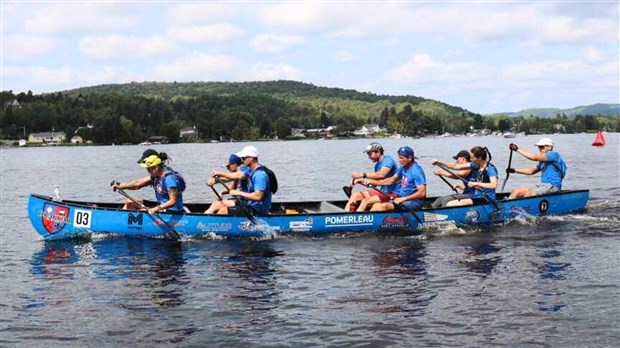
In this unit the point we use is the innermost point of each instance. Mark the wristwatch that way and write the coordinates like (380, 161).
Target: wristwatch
(364, 176)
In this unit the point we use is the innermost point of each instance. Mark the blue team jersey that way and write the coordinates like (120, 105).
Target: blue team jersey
(552, 170)
(483, 176)
(242, 184)
(410, 179)
(171, 179)
(259, 181)
(469, 190)
(389, 162)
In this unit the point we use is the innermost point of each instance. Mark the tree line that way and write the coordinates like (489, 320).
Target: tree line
(131, 113)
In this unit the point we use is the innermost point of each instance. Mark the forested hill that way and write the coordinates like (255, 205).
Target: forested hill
(280, 89)
(133, 112)
(594, 109)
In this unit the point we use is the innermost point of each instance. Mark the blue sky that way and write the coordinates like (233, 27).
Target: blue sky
(484, 56)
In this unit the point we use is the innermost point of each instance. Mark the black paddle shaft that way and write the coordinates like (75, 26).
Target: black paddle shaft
(153, 215)
(239, 202)
(507, 170)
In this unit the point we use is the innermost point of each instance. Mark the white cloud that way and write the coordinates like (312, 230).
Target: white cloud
(344, 56)
(22, 46)
(275, 44)
(38, 75)
(593, 55)
(264, 72)
(207, 34)
(80, 17)
(198, 67)
(423, 69)
(118, 47)
(201, 13)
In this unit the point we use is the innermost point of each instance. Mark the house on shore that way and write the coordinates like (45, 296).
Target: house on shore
(158, 139)
(46, 137)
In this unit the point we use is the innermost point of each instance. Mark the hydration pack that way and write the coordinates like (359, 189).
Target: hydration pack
(273, 181)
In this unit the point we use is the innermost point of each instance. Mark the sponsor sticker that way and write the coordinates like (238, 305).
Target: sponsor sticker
(395, 221)
(430, 217)
(301, 226)
(214, 226)
(54, 218)
(349, 220)
(472, 215)
(543, 206)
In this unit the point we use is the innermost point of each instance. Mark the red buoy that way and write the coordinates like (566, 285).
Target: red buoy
(599, 140)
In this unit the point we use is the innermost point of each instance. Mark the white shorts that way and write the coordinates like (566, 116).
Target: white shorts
(543, 189)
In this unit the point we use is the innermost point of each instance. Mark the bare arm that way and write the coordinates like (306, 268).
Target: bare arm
(381, 174)
(492, 185)
(419, 194)
(253, 196)
(528, 171)
(133, 185)
(540, 157)
(379, 182)
(451, 165)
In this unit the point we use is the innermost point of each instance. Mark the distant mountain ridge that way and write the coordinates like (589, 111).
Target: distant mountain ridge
(281, 89)
(594, 109)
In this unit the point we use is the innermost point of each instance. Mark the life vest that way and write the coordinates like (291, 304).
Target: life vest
(158, 183)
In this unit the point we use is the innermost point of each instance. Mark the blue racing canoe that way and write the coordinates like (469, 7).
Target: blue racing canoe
(67, 219)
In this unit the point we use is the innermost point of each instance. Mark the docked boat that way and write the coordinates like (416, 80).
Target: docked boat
(67, 219)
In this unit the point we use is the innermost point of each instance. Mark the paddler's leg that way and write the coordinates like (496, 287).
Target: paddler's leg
(131, 205)
(382, 207)
(355, 197)
(368, 201)
(224, 207)
(459, 202)
(519, 192)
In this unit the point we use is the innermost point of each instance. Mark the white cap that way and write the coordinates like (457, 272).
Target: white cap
(544, 142)
(248, 151)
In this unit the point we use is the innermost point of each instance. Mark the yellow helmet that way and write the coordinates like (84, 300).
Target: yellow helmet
(150, 161)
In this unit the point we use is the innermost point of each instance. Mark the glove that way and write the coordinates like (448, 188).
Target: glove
(513, 147)
(510, 170)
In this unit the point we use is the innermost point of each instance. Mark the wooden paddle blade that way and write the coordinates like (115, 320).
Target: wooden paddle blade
(347, 190)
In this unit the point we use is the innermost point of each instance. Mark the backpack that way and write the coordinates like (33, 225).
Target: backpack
(561, 170)
(273, 181)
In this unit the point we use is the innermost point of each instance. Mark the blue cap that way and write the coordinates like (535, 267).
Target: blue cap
(406, 151)
(234, 159)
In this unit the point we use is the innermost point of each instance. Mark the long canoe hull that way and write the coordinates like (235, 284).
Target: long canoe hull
(68, 219)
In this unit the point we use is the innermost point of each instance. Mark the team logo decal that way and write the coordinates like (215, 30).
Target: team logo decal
(543, 206)
(434, 217)
(395, 221)
(54, 218)
(472, 215)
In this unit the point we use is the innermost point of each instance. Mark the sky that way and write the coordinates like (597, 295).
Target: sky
(486, 57)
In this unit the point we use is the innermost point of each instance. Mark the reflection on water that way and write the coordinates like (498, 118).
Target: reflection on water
(151, 270)
(405, 265)
(481, 257)
(552, 269)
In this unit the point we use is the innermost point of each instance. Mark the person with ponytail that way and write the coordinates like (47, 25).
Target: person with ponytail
(167, 183)
(483, 177)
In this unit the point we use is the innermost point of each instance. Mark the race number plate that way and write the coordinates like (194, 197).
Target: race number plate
(81, 218)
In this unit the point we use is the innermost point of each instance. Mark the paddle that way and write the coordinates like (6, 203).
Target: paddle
(507, 170)
(240, 204)
(347, 189)
(466, 182)
(448, 183)
(172, 232)
(216, 193)
(398, 206)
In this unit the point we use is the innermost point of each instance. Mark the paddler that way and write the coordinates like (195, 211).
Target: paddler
(238, 173)
(409, 181)
(551, 165)
(167, 183)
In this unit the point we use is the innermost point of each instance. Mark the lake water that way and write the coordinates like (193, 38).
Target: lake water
(551, 281)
